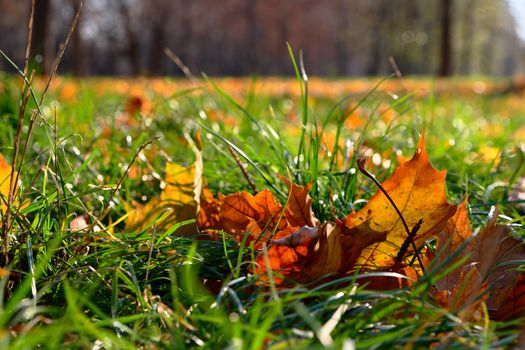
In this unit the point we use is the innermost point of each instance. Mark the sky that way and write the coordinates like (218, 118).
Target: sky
(518, 10)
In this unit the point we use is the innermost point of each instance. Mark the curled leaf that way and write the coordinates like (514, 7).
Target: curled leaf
(287, 254)
(312, 253)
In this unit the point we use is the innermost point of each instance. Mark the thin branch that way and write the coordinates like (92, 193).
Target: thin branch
(184, 68)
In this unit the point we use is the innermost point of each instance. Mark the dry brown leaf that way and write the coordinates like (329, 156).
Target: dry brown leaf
(311, 253)
(260, 216)
(285, 255)
(208, 218)
(456, 232)
(480, 279)
(511, 303)
(495, 245)
(299, 208)
(461, 290)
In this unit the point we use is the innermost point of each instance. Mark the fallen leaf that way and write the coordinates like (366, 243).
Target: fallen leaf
(337, 249)
(510, 302)
(179, 201)
(486, 276)
(208, 218)
(418, 190)
(285, 256)
(299, 207)
(366, 240)
(5, 176)
(5, 179)
(311, 253)
(461, 290)
(261, 217)
(456, 232)
(495, 246)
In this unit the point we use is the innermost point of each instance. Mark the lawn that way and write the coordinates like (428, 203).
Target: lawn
(96, 260)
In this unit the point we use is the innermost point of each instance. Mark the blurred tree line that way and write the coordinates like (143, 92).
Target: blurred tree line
(239, 37)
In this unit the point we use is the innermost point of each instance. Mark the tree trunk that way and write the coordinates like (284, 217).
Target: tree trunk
(379, 13)
(157, 49)
(132, 50)
(39, 36)
(251, 37)
(445, 68)
(341, 37)
(79, 52)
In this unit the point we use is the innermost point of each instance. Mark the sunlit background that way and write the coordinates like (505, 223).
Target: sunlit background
(242, 37)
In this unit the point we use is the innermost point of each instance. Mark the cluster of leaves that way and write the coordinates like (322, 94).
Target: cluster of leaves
(391, 234)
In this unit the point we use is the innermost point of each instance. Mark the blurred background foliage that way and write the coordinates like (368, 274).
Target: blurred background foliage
(240, 37)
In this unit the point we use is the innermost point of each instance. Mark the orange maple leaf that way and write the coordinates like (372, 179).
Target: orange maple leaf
(418, 190)
(260, 216)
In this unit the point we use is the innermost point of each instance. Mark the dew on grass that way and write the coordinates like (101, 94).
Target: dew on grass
(376, 159)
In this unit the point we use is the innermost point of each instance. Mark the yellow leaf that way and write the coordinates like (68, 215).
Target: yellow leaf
(180, 184)
(179, 200)
(5, 179)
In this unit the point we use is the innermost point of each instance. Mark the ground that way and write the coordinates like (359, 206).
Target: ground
(82, 275)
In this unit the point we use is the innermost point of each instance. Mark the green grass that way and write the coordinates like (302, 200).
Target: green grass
(86, 290)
